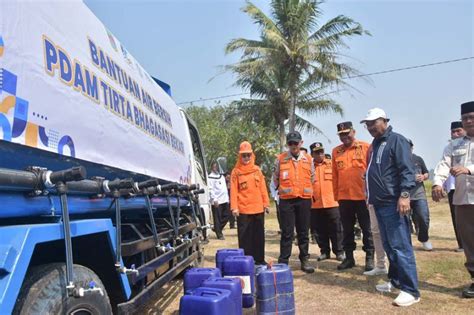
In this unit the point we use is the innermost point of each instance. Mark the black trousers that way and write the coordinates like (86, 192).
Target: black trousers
(221, 216)
(327, 224)
(294, 213)
(251, 234)
(350, 211)
(277, 207)
(452, 208)
(464, 223)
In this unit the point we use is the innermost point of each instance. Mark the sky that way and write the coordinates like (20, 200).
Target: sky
(182, 43)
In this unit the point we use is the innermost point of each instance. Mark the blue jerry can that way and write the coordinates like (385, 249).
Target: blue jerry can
(242, 267)
(275, 291)
(231, 284)
(206, 301)
(195, 276)
(222, 254)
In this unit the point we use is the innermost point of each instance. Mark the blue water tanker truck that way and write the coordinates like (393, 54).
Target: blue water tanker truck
(103, 185)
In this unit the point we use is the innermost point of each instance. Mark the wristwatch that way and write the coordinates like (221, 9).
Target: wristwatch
(405, 194)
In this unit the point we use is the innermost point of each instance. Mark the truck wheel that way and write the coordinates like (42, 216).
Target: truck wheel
(44, 292)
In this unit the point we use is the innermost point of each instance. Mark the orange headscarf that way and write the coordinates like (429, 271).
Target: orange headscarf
(246, 147)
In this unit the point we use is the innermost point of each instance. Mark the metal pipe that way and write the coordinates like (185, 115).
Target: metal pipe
(152, 220)
(61, 187)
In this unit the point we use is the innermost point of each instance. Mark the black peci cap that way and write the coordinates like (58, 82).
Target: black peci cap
(345, 126)
(456, 125)
(467, 107)
(293, 136)
(317, 146)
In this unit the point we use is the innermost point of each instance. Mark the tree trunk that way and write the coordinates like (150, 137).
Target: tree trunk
(281, 125)
(292, 111)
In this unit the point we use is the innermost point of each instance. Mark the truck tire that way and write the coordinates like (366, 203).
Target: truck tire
(44, 292)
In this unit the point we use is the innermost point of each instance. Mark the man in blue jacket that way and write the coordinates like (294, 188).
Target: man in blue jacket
(390, 177)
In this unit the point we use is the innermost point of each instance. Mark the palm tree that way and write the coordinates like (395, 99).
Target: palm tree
(270, 108)
(295, 61)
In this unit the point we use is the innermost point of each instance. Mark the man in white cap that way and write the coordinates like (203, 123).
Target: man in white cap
(390, 177)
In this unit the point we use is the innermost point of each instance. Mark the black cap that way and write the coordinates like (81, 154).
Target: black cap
(293, 136)
(345, 126)
(456, 125)
(317, 146)
(467, 107)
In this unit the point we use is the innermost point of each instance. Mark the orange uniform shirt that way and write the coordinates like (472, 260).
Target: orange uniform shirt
(323, 194)
(248, 192)
(349, 166)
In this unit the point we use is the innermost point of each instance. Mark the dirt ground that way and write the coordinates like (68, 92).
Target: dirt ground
(441, 273)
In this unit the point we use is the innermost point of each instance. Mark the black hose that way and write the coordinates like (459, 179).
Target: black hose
(69, 175)
(148, 183)
(86, 187)
(14, 180)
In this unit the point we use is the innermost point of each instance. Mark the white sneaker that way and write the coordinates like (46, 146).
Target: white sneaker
(385, 287)
(376, 271)
(427, 246)
(405, 299)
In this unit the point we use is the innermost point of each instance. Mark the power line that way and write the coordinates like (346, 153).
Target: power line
(213, 98)
(410, 68)
(348, 77)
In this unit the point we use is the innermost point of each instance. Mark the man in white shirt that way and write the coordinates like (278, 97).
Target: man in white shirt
(458, 160)
(456, 132)
(219, 199)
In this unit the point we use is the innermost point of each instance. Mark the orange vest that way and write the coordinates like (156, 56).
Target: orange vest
(349, 166)
(295, 176)
(323, 194)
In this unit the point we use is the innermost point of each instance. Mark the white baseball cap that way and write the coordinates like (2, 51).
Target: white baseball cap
(373, 114)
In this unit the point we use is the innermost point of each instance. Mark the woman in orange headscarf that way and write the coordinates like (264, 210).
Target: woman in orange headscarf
(249, 201)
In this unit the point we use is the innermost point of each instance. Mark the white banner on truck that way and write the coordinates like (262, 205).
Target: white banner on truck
(68, 86)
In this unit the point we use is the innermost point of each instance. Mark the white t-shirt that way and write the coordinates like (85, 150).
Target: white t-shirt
(218, 188)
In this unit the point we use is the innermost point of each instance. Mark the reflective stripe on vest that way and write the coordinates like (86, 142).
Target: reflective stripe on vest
(295, 177)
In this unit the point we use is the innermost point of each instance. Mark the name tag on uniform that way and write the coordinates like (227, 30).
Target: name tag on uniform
(284, 175)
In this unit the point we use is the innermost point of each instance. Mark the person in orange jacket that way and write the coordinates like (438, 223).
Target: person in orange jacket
(349, 165)
(325, 217)
(248, 202)
(294, 176)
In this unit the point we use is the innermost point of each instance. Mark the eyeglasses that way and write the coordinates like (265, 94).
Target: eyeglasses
(371, 123)
(467, 117)
(292, 143)
(246, 155)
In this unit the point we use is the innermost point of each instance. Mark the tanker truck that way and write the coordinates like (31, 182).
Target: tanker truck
(103, 195)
